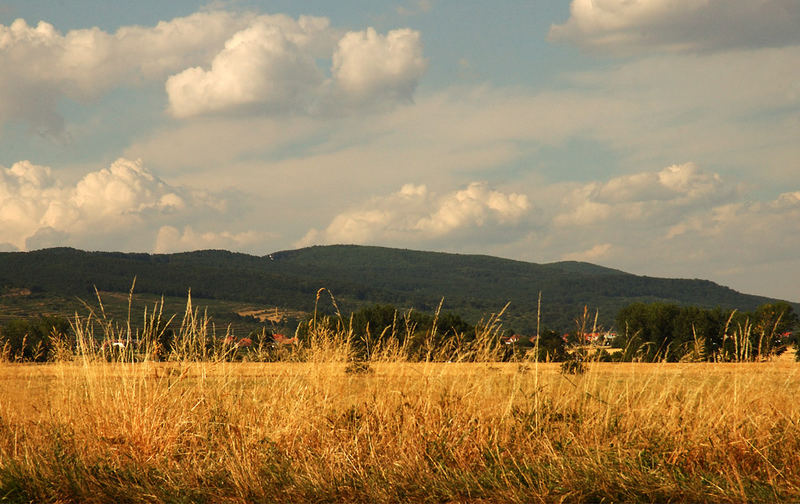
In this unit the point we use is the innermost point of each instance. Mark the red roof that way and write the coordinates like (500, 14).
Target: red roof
(283, 340)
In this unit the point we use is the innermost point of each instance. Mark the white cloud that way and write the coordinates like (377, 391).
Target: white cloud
(595, 254)
(751, 244)
(474, 206)
(39, 65)
(26, 191)
(647, 112)
(413, 214)
(224, 62)
(37, 209)
(272, 66)
(679, 25)
(126, 187)
(171, 239)
(679, 221)
(369, 67)
(755, 230)
(643, 197)
(270, 63)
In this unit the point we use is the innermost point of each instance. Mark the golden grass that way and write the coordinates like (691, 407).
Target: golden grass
(322, 428)
(420, 432)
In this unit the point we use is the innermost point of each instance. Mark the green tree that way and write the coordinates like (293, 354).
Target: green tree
(648, 332)
(30, 340)
(773, 325)
(551, 347)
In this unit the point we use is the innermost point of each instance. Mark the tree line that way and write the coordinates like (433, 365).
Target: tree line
(661, 331)
(647, 332)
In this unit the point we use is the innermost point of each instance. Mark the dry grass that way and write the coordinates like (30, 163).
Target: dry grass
(420, 432)
(324, 428)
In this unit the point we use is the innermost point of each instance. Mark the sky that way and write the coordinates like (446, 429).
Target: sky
(659, 137)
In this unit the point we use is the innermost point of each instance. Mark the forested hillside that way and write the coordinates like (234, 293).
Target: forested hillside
(471, 285)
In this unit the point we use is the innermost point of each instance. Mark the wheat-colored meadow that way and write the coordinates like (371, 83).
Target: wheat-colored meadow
(311, 430)
(422, 432)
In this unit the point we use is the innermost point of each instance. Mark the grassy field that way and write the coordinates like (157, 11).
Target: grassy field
(87, 431)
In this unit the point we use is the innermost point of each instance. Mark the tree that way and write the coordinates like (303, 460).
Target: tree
(773, 325)
(30, 340)
(551, 347)
(648, 332)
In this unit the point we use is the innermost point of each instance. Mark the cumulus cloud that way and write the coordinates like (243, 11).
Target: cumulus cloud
(37, 210)
(679, 25)
(270, 63)
(369, 66)
(40, 65)
(679, 221)
(213, 62)
(126, 187)
(171, 239)
(273, 66)
(26, 191)
(643, 197)
(474, 206)
(413, 214)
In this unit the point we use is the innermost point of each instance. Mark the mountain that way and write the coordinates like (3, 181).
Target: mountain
(471, 285)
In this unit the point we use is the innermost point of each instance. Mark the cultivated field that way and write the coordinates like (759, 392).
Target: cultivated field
(88, 431)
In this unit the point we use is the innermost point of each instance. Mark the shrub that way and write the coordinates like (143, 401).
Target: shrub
(574, 365)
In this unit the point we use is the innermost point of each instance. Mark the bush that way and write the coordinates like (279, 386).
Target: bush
(574, 365)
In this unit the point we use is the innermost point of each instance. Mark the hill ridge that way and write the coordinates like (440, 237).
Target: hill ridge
(472, 285)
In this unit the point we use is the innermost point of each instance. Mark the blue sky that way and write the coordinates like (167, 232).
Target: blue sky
(659, 137)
